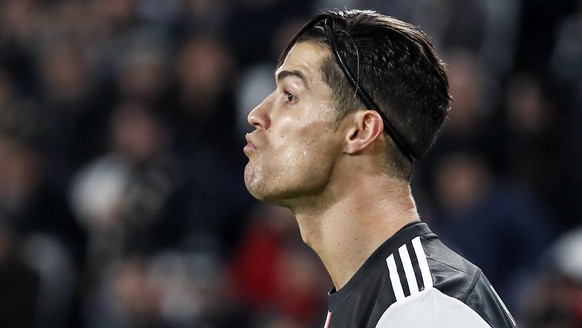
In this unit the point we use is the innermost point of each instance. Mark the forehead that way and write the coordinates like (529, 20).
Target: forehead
(304, 60)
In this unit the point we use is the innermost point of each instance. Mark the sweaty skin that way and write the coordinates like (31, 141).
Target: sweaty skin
(291, 152)
(331, 174)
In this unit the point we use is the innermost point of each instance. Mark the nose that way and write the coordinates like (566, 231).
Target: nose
(259, 116)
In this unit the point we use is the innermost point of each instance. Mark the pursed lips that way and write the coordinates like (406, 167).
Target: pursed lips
(250, 146)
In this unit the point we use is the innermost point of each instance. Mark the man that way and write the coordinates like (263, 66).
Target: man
(359, 97)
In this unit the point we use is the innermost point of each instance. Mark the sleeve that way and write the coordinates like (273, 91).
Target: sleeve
(484, 299)
(431, 308)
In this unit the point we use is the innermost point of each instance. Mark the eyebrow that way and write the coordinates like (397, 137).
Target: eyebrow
(292, 73)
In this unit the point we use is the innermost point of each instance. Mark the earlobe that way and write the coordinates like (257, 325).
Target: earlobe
(366, 127)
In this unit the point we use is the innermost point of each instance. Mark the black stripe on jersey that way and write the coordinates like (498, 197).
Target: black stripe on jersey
(415, 266)
(401, 274)
(408, 270)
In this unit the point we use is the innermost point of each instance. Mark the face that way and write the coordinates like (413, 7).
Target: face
(296, 140)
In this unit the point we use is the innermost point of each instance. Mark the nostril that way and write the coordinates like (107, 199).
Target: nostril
(259, 116)
(252, 118)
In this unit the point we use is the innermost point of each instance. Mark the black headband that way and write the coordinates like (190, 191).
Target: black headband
(364, 97)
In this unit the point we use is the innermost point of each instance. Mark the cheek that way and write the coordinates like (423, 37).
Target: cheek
(292, 163)
(286, 171)
(309, 160)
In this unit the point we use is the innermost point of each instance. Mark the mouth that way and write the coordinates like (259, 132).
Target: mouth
(250, 146)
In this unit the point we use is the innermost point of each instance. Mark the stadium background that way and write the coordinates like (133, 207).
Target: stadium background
(121, 131)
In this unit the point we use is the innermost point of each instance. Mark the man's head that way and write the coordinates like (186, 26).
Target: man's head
(387, 65)
(348, 84)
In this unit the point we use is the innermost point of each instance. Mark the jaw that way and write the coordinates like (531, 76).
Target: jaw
(297, 177)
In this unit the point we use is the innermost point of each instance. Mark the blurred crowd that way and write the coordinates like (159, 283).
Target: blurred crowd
(122, 124)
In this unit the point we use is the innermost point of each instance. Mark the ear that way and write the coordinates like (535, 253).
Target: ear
(365, 128)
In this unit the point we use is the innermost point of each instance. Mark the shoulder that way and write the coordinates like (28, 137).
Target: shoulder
(414, 280)
(436, 287)
(431, 308)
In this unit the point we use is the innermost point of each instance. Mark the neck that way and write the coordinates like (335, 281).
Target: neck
(345, 233)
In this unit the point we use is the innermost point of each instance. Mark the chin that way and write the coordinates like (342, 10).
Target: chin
(254, 188)
(261, 195)
(256, 194)
(255, 184)
(266, 196)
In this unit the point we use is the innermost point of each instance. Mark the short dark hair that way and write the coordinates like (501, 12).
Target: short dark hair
(394, 64)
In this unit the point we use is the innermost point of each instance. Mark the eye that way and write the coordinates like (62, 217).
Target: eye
(290, 97)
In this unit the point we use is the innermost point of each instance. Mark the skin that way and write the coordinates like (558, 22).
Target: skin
(332, 175)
